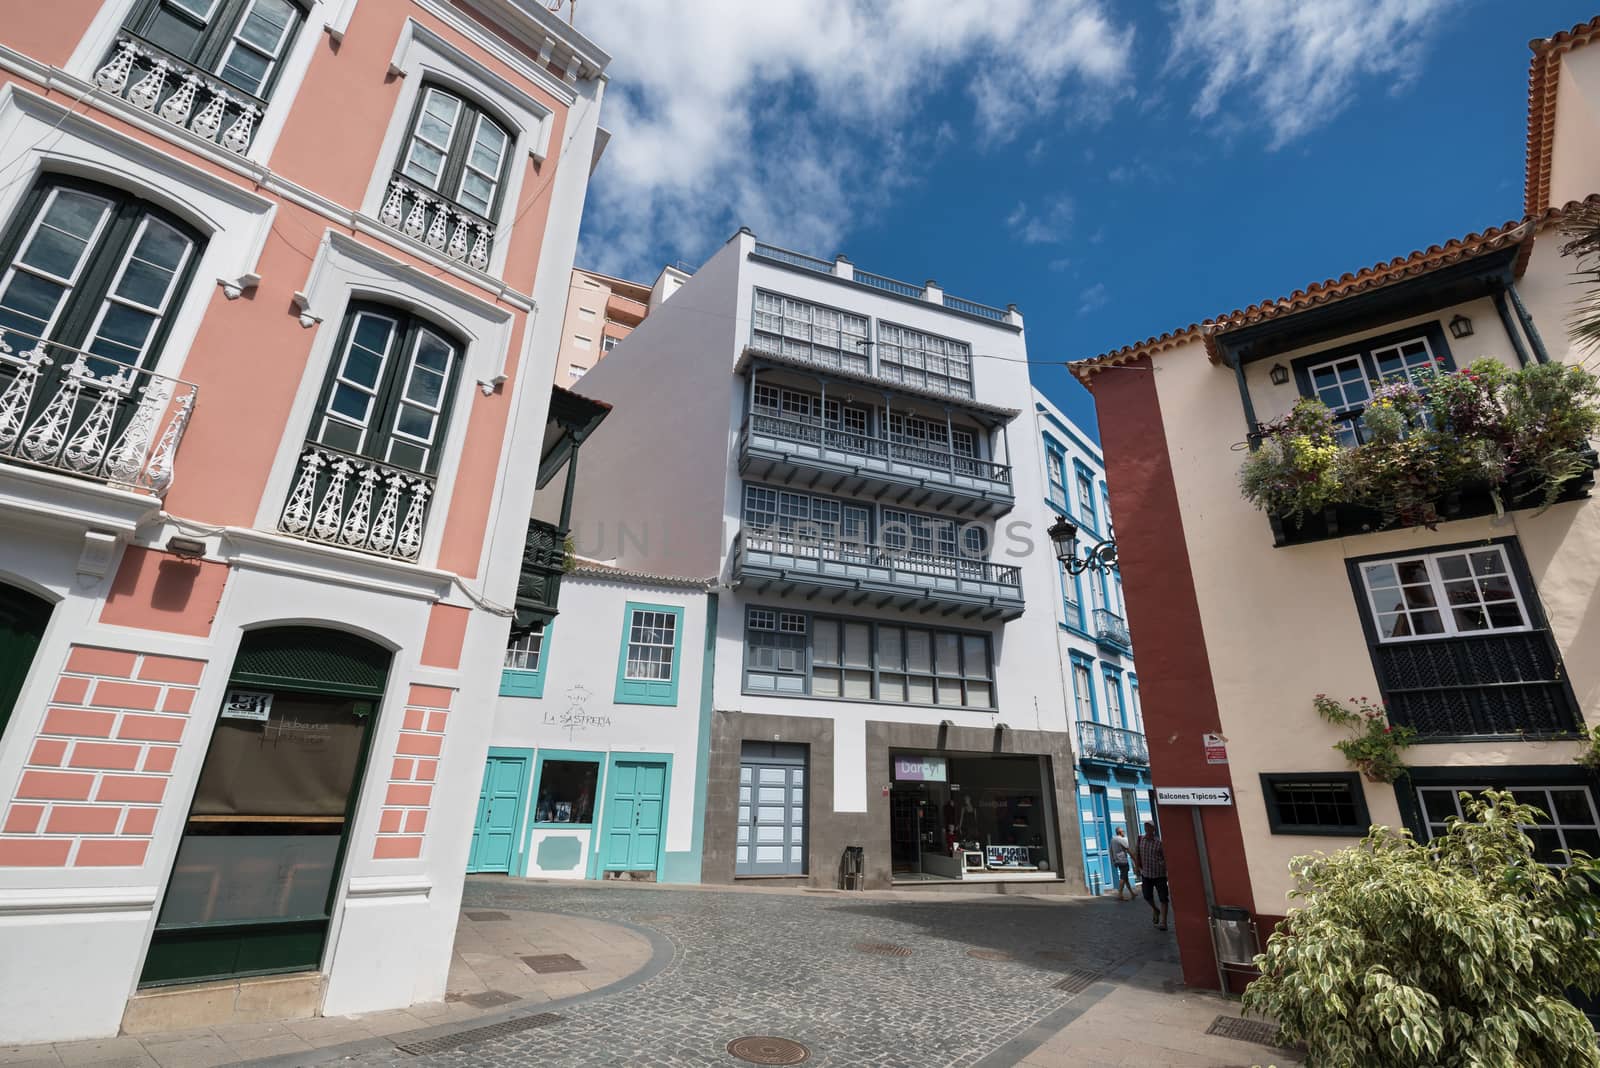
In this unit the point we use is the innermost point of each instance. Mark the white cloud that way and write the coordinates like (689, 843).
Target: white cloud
(1047, 227)
(798, 117)
(1298, 63)
(1093, 299)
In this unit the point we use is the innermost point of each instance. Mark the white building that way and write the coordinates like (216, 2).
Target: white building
(841, 452)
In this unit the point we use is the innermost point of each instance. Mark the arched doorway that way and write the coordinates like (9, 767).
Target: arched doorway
(22, 621)
(253, 886)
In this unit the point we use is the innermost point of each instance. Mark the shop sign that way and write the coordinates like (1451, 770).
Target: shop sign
(919, 769)
(247, 704)
(1009, 856)
(1216, 747)
(1194, 795)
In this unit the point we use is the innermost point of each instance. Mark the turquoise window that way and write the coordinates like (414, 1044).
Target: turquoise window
(648, 661)
(526, 658)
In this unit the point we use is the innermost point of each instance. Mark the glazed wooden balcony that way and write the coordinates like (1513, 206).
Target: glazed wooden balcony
(544, 561)
(1112, 745)
(858, 574)
(96, 420)
(785, 450)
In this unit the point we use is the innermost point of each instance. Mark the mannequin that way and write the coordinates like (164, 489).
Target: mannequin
(969, 818)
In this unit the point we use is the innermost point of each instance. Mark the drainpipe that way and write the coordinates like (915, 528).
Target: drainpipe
(1511, 329)
(1527, 326)
(1250, 421)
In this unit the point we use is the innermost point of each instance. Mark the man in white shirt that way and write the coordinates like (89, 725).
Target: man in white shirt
(1119, 861)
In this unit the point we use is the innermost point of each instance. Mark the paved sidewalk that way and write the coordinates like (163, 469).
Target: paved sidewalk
(488, 977)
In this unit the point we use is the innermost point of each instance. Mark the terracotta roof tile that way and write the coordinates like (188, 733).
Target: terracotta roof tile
(1420, 262)
(1544, 72)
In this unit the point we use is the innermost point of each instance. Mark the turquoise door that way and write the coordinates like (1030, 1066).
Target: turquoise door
(635, 804)
(500, 805)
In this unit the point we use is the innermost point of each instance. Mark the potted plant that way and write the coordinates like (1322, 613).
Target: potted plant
(1375, 745)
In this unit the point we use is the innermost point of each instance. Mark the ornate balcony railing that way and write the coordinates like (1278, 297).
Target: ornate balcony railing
(356, 503)
(544, 561)
(956, 571)
(867, 447)
(1111, 629)
(1096, 741)
(423, 215)
(97, 419)
(175, 90)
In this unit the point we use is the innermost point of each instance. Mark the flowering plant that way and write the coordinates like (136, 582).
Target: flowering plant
(1376, 744)
(1521, 435)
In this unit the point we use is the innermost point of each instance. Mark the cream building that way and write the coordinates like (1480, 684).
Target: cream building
(1479, 633)
(601, 311)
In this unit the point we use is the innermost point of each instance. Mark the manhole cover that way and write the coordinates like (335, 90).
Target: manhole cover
(1077, 981)
(480, 916)
(765, 1049)
(554, 962)
(989, 954)
(883, 949)
(1257, 1031)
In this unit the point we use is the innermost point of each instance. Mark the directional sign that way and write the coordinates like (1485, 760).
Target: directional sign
(1194, 795)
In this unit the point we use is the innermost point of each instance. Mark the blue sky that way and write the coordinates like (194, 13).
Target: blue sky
(1113, 172)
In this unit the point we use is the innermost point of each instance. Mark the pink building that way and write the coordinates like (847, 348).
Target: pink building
(601, 311)
(268, 276)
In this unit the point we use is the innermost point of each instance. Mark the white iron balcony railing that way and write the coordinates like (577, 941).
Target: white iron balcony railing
(896, 564)
(96, 419)
(175, 90)
(1111, 629)
(423, 215)
(356, 503)
(866, 447)
(1096, 741)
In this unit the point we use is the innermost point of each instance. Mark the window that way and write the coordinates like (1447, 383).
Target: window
(607, 344)
(1114, 701)
(924, 360)
(858, 660)
(1344, 379)
(1569, 820)
(1083, 692)
(566, 792)
(523, 673)
(1134, 706)
(89, 267)
(241, 41)
(1056, 466)
(801, 407)
(923, 440)
(456, 150)
(647, 664)
(575, 371)
(1442, 594)
(389, 390)
(581, 342)
(1459, 645)
(1070, 598)
(811, 332)
(586, 314)
(783, 513)
(1086, 514)
(1330, 803)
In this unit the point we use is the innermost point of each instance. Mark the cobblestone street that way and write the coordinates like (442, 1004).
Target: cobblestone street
(953, 980)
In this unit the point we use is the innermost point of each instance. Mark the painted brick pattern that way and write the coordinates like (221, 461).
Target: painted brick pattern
(98, 771)
(415, 765)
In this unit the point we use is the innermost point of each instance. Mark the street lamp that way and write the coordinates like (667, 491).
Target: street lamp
(1064, 537)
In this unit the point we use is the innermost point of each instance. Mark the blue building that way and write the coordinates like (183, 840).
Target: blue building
(1099, 681)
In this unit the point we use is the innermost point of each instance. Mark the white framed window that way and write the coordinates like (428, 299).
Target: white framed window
(575, 371)
(1133, 705)
(1113, 702)
(586, 314)
(1570, 821)
(924, 360)
(525, 653)
(607, 343)
(1083, 692)
(652, 638)
(809, 331)
(581, 342)
(1441, 595)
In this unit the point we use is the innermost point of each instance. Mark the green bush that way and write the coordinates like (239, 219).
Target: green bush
(1458, 952)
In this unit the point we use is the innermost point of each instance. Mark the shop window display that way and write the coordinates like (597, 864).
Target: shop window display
(566, 792)
(965, 817)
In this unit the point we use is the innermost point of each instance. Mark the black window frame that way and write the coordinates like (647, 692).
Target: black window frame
(1500, 777)
(1431, 331)
(1279, 825)
(390, 386)
(1381, 652)
(76, 318)
(215, 36)
(455, 160)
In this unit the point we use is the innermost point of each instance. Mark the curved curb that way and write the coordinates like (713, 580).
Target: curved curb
(663, 953)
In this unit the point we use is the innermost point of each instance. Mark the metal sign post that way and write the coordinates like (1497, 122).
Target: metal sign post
(1194, 798)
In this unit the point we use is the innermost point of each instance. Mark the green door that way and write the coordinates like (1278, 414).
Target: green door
(22, 620)
(500, 805)
(635, 804)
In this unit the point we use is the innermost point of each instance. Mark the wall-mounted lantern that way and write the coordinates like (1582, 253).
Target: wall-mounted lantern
(1460, 327)
(1279, 374)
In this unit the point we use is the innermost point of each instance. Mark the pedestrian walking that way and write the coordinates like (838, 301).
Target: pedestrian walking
(1120, 858)
(1150, 861)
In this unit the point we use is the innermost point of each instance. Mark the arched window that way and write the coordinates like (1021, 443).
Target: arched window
(22, 621)
(91, 267)
(457, 150)
(241, 41)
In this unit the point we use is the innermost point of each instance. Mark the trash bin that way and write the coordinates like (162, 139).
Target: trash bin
(855, 867)
(1233, 935)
